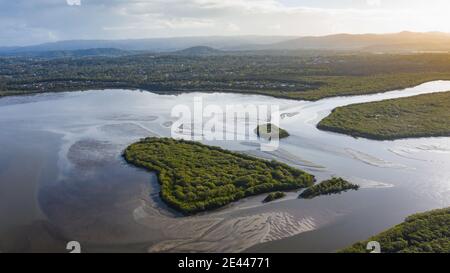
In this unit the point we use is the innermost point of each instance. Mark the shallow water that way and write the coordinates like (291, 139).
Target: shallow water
(62, 177)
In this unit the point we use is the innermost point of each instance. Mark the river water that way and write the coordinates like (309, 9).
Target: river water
(62, 177)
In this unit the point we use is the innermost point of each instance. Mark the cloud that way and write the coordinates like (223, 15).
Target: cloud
(233, 27)
(31, 21)
(373, 2)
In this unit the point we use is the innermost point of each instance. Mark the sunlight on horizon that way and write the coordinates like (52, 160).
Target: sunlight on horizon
(30, 22)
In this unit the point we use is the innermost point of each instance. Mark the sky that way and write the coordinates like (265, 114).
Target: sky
(25, 22)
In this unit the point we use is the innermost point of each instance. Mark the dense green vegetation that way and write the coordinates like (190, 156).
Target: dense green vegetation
(196, 177)
(81, 53)
(295, 76)
(427, 232)
(274, 196)
(331, 186)
(418, 116)
(269, 131)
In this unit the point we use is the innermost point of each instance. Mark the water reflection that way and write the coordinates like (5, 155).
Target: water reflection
(62, 177)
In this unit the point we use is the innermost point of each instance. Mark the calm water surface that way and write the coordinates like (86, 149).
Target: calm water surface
(62, 177)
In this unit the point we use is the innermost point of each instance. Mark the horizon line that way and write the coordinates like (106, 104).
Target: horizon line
(232, 36)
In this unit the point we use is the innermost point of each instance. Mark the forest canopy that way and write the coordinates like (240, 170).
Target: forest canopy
(274, 196)
(195, 177)
(419, 116)
(295, 76)
(427, 232)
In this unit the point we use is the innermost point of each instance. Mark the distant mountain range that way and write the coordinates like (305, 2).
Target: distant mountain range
(198, 51)
(397, 42)
(93, 52)
(155, 44)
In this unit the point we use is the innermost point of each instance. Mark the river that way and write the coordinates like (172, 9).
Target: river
(62, 177)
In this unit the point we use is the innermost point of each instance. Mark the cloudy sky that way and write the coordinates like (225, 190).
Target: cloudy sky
(25, 22)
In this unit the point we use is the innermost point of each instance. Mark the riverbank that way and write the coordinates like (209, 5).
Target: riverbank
(419, 116)
(288, 77)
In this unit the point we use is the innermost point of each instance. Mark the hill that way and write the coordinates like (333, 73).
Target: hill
(385, 43)
(101, 52)
(155, 44)
(396, 42)
(199, 51)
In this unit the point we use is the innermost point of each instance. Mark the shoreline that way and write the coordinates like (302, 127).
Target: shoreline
(376, 137)
(9, 93)
(319, 126)
(414, 117)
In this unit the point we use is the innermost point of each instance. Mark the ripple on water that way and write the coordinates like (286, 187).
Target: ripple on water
(91, 153)
(439, 148)
(129, 117)
(128, 130)
(372, 160)
(167, 124)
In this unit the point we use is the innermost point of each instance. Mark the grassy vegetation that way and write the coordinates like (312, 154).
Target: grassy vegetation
(418, 116)
(299, 76)
(274, 196)
(420, 233)
(362, 85)
(196, 177)
(269, 131)
(332, 186)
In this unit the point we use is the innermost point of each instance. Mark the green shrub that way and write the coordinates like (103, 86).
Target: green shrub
(425, 232)
(419, 116)
(269, 131)
(273, 196)
(332, 186)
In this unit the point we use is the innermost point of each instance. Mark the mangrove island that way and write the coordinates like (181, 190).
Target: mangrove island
(420, 233)
(419, 116)
(269, 131)
(328, 187)
(196, 177)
